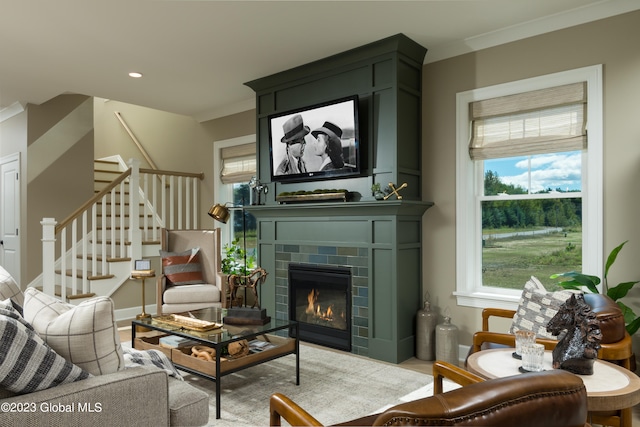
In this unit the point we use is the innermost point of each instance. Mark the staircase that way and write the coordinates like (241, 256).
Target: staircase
(91, 253)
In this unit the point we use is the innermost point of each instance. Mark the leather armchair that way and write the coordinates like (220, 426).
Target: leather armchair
(615, 345)
(551, 398)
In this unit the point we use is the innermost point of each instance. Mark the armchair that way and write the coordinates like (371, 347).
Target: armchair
(551, 398)
(209, 288)
(615, 345)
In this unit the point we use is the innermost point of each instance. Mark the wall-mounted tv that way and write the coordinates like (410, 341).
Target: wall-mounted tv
(317, 142)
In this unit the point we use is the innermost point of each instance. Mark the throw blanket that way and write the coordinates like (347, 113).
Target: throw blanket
(133, 358)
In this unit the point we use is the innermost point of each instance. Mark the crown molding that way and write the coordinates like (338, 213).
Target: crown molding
(601, 10)
(10, 111)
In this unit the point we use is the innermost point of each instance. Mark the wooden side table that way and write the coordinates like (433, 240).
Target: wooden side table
(610, 388)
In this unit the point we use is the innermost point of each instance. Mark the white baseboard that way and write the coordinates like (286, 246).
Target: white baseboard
(131, 312)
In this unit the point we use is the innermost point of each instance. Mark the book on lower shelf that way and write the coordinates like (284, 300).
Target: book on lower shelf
(174, 341)
(257, 346)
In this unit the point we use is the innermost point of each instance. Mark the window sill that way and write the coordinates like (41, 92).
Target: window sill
(487, 300)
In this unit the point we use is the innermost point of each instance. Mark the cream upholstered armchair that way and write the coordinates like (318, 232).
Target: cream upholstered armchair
(191, 276)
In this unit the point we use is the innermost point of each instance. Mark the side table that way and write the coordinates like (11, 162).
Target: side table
(137, 275)
(610, 388)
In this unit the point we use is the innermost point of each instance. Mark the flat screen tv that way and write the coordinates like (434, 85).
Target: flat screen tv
(317, 142)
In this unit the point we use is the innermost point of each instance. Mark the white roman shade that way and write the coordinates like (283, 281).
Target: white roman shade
(238, 163)
(542, 121)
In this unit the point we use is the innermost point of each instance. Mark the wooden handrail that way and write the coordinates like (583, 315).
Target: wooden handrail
(135, 140)
(199, 175)
(75, 214)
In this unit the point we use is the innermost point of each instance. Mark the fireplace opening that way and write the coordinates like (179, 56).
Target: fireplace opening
(320, 300)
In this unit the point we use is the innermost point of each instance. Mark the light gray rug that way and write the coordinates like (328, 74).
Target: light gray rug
(334, 387)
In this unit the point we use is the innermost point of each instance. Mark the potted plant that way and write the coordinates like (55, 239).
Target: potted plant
(236, 260)
(578, 280)
(377, 192)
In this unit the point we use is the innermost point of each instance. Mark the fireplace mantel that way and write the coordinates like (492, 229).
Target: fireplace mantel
(379, 240)
(369, 208)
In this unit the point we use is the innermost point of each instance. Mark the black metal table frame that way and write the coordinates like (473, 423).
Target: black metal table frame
(218, 347)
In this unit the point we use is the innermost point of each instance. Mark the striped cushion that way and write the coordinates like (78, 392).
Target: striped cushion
(85, 334)
(182, 268)
(27, 363)
(537, 307)
(9, 288)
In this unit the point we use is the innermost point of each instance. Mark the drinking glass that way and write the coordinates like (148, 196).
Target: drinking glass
(532, 357)
(523, 337)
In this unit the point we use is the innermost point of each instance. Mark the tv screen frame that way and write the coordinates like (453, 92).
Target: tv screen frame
(308, 123)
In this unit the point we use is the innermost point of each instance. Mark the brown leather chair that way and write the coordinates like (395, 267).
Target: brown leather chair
(552, 399)
(615, 345)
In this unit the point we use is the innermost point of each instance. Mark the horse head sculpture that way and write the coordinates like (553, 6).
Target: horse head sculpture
(578, 347)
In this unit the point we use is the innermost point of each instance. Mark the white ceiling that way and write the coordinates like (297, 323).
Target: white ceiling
(197, 55)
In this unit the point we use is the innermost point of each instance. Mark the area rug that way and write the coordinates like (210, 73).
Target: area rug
(334, 386)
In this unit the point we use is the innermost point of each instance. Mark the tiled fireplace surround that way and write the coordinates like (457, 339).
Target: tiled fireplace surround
(353, 257)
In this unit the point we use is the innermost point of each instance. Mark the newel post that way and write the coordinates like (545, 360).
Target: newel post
(135, 234)
(48, 255)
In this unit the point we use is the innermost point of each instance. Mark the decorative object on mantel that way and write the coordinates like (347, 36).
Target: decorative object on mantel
(578, 348)
(377, 192)
(312, 196)
(257, 188)
(395, 190)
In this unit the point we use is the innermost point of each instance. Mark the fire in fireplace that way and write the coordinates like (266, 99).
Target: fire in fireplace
(320, 299)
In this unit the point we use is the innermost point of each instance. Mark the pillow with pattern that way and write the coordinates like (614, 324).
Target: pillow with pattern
(85, 334)
(537, 307)
(9, 288)
(182, 268)
(27, 363)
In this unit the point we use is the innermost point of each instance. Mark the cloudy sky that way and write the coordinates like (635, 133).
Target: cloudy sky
(557, 170)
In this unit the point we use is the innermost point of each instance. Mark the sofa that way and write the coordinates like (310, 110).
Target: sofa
(51, 377)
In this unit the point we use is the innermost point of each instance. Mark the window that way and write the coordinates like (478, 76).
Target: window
(234, 166)
(524, 205)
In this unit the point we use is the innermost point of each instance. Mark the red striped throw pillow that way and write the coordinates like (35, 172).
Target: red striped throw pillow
(182, 268)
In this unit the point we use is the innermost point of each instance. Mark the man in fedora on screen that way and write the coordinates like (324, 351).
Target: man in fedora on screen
(329, 146)
(294, 133)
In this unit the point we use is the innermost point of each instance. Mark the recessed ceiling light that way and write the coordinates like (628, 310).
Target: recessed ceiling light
(135, 75)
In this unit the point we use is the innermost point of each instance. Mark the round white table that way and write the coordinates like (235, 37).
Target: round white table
(610, 388)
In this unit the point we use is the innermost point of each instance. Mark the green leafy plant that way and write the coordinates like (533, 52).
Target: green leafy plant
(234, 261)
(574, 280)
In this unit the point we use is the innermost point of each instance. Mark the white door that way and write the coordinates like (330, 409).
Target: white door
(10, 215)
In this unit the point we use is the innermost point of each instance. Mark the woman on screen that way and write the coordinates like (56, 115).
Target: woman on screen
(329, 146)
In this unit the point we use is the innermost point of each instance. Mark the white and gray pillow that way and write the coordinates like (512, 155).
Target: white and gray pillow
(27, 363)
(9, 288)
(537, 307)
(85, 334)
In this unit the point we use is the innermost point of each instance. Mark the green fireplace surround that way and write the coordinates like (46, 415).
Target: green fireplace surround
(379, 240)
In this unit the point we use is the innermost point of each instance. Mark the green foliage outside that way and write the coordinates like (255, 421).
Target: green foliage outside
(524, 238)
(510, 262)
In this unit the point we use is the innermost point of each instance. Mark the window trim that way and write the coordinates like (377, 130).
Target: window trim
(468, 217)
(223, 193)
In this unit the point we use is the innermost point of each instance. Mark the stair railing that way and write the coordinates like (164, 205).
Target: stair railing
(99, 226)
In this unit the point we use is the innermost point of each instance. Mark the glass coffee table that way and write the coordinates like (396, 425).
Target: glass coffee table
(275, 339)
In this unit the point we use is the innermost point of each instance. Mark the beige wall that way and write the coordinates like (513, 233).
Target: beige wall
(611, 42)
(59, 169)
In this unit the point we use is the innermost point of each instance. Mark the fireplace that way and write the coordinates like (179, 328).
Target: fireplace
(320, 299)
